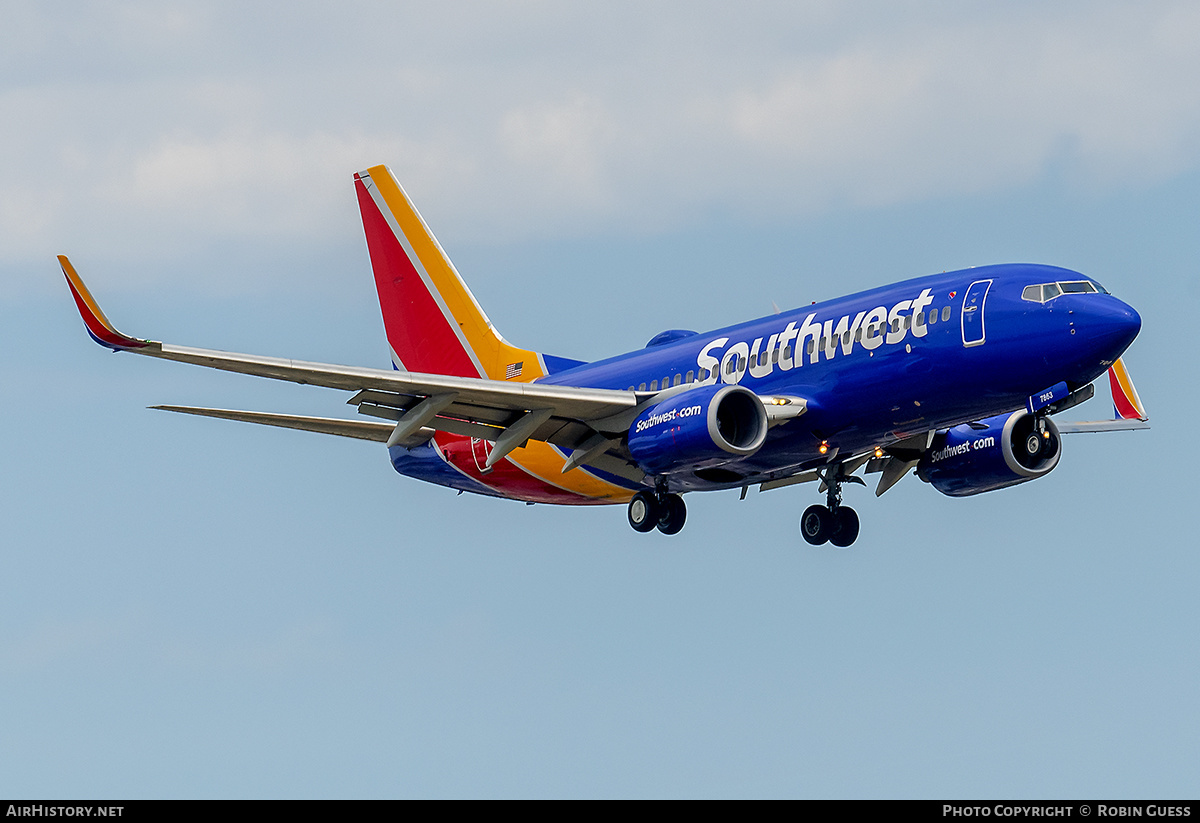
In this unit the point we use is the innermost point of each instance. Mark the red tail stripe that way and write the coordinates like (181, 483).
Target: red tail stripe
(416, 328)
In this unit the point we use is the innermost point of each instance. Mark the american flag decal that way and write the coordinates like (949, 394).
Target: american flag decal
(513, 370)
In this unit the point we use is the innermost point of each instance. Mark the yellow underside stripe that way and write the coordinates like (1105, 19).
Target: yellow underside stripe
(541, 460)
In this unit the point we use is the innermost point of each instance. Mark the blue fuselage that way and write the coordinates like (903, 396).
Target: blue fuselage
(923, 354)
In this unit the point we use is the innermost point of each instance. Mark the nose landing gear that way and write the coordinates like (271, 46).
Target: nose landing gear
(658, 509)
(833, 522)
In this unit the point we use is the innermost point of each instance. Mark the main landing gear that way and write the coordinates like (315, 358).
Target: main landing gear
(657, 509)
(832, 523)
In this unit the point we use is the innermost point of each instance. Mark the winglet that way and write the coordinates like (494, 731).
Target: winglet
(1129, 413)
(1126, 403)
(97, 324)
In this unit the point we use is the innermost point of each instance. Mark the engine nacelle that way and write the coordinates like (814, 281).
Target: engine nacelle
(698, 428)
(1012, 449)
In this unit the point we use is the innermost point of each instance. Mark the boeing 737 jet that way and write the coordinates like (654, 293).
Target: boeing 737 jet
(954, 377)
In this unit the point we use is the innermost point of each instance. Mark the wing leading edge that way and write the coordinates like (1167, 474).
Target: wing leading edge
(508, 414)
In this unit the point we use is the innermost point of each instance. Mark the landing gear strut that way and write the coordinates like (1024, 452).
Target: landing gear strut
(658, 509)
(833, 522)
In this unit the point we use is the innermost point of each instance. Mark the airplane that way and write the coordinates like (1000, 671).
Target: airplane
(953, 377)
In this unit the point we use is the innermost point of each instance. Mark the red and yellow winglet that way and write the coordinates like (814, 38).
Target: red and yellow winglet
(1126, 403)
(97, 324)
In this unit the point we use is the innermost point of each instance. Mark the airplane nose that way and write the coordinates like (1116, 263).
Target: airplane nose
(1113, 325)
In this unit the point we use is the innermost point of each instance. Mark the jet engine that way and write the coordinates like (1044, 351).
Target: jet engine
(992, 454)
(698, 428)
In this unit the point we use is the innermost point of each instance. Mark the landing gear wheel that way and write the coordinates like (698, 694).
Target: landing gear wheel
(645, 512)
(845, 527)
(674, 513)
(816, 524)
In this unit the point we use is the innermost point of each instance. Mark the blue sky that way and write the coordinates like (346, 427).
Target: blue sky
(203, 608)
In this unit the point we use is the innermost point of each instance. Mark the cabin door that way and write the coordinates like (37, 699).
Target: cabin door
(972, 313)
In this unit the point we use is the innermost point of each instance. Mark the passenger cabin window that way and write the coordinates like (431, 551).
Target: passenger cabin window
(932, 316)
(945, 314)
(678, 379)
(653, 385)
(691, 375)
(641, 387)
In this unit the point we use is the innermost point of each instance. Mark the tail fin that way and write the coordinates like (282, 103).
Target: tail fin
(432, 321)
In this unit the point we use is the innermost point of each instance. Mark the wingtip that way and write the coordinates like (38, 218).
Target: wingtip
(1127, 405)
(97, 325)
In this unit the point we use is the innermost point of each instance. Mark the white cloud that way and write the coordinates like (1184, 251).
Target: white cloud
(566, 143)
(534, 119)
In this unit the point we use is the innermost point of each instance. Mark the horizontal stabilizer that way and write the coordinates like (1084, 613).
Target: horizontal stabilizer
(359, 429)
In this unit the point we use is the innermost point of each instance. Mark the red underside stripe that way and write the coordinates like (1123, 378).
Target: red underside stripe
(504, 476)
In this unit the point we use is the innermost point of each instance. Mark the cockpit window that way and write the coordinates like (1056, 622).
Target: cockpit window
(1078, 287)
(1048, 291)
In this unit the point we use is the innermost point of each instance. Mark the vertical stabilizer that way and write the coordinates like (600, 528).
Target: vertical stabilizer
(432, 321)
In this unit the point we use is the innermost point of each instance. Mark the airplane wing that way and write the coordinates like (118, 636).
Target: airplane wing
(903, 455)
(507, 413)
(1128, 412)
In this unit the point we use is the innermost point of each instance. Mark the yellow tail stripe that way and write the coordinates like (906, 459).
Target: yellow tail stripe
(493, 352)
